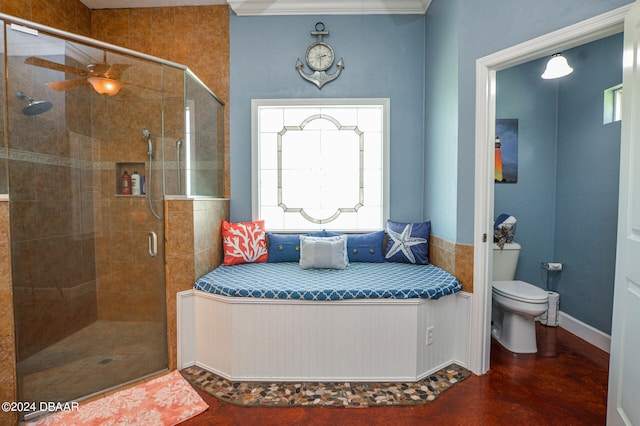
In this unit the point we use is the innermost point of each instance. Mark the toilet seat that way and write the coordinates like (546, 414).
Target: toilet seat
(520, 291)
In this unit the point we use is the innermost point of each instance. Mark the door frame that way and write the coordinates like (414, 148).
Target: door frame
(486, 67)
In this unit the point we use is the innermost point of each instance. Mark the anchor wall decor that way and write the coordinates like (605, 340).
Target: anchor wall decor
(319, 57)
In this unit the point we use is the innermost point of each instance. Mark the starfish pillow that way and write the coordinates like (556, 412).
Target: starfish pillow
(408, 242)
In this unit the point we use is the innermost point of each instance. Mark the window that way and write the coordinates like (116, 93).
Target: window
(617, 104)
(320, 163)
(613, 104)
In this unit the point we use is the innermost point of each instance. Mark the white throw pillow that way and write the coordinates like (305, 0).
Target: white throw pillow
(323, 252)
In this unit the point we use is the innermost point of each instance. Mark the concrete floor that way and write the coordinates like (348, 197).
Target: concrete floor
(565, 383)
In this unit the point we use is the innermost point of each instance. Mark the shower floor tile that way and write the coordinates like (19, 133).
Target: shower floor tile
(100, 356)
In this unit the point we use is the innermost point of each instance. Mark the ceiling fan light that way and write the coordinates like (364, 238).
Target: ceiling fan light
(105, 86)
(557, 67)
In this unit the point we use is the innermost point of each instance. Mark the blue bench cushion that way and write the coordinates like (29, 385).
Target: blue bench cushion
(285, 280)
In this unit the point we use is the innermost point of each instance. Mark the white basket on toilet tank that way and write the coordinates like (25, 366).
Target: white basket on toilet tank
(515, 303)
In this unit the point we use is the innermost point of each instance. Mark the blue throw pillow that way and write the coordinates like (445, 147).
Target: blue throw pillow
(408, 242)
(283, 248)
(366, 247)
(286, 247)
(322, 233)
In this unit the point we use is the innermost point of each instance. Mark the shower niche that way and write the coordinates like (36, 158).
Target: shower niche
(89, 299)
(130, 169)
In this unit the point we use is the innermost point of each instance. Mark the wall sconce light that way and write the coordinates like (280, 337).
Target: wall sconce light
(105, 86)
(557, 67)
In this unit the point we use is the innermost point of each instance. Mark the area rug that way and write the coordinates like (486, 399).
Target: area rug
(167, 400)
(343, 394)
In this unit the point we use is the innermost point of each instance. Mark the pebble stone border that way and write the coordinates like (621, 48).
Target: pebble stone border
(341, 394)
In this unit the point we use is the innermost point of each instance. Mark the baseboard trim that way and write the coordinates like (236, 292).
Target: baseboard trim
(586, 332)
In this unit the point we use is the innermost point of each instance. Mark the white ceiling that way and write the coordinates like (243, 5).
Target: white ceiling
(281, 7)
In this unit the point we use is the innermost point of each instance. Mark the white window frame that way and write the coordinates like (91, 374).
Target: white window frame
(617, 104)
(612, 110)
(256, 104)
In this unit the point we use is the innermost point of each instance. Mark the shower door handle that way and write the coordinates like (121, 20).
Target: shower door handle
(178, 145)
(153, 244)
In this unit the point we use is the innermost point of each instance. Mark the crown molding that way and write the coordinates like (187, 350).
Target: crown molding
(282, 7)
(328, 7)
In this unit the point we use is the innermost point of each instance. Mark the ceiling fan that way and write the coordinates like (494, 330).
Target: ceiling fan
(103, 77)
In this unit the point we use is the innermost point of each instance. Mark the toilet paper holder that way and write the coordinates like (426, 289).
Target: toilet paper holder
(552, 266)
(551, 317)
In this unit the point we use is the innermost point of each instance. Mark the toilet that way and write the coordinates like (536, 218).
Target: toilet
(516, 304)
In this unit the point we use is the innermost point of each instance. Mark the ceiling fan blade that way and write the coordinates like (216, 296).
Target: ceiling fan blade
(140, 92)
(115, 71)
(143, 87)
(128, 94)
(61, 86)
(43, 63)
(98, 70)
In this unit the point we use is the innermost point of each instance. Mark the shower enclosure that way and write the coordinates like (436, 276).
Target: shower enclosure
(88, 261)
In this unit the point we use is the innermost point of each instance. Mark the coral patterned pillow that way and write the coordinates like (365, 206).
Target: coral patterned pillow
(244, 242)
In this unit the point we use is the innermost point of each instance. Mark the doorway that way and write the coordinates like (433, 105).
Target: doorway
(486, 68)
(561, 166)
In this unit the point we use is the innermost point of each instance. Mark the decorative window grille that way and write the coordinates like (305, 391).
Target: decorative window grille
(320, 164)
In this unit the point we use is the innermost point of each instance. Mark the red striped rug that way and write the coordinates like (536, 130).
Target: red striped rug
(167, 400)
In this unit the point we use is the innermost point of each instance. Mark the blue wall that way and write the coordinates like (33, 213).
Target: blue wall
(523, 95)
(566, 197)
(482, 28)
(425, 64)
(441, 119)
(383, 57)
(588, 173)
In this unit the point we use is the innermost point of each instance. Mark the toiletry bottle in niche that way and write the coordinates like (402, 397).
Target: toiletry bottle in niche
(125, 183)
(135, 183)
(143, 187)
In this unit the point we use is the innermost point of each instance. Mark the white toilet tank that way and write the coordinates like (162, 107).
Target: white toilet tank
(505, 261)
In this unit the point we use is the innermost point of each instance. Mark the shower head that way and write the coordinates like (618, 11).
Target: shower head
(147, 134)
(34, 107)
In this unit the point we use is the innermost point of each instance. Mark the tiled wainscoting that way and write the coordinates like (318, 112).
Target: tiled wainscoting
(457, 259)
(193, 247)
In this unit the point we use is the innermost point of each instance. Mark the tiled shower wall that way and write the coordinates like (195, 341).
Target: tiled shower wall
(69, 15)
(171, 33)
(193, 246)
(129, 280)
(7, 351)
(51, 208)
(196, 36)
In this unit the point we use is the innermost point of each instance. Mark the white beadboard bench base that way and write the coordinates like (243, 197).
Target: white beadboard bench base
(249, 339)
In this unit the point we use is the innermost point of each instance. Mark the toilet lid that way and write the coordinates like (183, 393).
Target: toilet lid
(520, 290)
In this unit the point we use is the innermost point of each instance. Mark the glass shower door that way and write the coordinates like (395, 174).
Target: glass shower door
(89, 300)
(194, 140)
